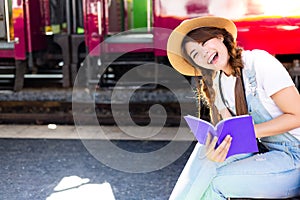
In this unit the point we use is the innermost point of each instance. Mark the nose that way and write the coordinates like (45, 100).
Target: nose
(205, 53)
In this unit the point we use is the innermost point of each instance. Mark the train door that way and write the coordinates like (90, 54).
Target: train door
(28, 54)
(52, 63)
(118, 34)
(66, 24)
(5, 19)
(124, 25)
(104, 18)
(10, 78)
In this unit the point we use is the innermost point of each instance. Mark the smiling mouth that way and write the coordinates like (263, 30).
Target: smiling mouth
(213, 58)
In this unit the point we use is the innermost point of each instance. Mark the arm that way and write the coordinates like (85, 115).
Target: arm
(288, 100)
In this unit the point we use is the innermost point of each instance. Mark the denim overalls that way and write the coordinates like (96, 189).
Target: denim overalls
(274, 174)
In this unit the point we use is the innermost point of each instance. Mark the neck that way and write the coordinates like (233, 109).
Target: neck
(227, 73)
(227, 70)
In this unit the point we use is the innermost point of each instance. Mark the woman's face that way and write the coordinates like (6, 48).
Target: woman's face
(211, 54)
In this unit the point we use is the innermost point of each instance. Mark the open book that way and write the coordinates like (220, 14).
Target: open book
(240, 128)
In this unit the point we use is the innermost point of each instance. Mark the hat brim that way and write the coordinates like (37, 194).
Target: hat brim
(176, 37)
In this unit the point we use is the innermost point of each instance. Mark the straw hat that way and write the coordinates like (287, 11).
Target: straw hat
(177, 35)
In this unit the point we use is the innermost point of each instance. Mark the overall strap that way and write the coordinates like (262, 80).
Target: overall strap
(222, 96)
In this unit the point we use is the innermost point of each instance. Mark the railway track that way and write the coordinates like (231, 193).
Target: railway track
(44, 106)
(61, 113)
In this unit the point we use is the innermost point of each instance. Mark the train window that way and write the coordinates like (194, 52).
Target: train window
(2, 20)
(129, 14)
(116, 16)
(58, 15)
(6, 29)
(78, 27)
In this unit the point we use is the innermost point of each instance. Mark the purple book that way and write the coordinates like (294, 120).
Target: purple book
(241, 129)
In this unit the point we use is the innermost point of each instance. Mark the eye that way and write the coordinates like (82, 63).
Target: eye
(194, 55)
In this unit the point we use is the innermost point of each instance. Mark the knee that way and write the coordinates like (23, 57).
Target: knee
(224, 186)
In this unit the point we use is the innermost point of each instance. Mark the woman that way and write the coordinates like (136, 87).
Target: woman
(236, 82)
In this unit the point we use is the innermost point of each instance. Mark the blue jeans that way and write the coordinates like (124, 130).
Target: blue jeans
(274, 174)
(269, 175)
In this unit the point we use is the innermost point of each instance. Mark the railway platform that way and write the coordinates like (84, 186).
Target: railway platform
(53, 162)
(70, 132)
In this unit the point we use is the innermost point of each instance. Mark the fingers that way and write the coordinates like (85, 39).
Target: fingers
(211, 146)
(219, 154)
(208, 139)
(222, 150)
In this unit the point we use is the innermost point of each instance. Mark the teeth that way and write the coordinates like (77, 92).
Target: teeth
(211, 58)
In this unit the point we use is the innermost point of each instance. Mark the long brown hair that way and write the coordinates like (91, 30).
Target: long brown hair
(205, 89)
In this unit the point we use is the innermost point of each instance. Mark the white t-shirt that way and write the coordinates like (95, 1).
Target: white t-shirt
(271, 76)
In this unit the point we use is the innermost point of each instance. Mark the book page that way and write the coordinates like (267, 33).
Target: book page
(200, 128)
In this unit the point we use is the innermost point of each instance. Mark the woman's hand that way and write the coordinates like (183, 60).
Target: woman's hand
(219, 154)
